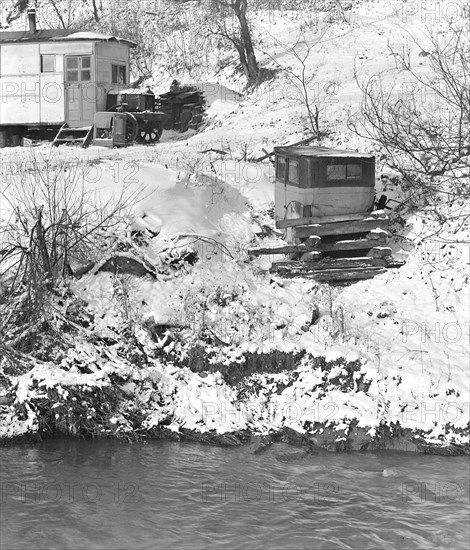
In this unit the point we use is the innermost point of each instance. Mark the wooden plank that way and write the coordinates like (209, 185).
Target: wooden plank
(78, 131)
(287, 249)
(347, 263)
(332, 263)
(89, 137)
(334, 274)
(357, 244)
(64, 125)
(348, 274)
(340, 228)
(294, 266)
(282, 224)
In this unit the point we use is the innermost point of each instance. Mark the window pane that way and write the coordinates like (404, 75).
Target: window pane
(86, 62)
(354, 171)
(86, 75)
(336, 172)
(47, 63)
(281, 168)
(72, 76)
(118, 74)
(72, 62)
(293, 171)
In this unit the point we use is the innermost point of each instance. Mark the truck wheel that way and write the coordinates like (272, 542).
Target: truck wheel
(132, 128)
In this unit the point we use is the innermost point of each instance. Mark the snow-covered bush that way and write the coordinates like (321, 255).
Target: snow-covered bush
(49, 225)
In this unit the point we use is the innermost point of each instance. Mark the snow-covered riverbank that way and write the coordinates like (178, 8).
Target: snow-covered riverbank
(223, 351)
(331, 404)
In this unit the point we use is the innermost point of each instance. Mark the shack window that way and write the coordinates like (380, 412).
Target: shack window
(281, 168)
(353, 171)
(293, 168)
(118, 74)
(78, 68)
(85, 73)
(48, 63)
(71, 66)
(336, 172)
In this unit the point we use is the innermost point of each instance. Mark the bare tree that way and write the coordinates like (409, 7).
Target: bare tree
(435, 140)
(227, 19)
(239, 35)
(424, 128)
(167, 38)
(303, 76)
(63, 13)
(60, 17)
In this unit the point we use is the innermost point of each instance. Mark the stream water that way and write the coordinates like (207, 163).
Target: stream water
(86, 495)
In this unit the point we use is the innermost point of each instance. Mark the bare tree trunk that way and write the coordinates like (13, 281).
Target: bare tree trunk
(95, 11)
(250, 63)
(59, 15)
(243, 60)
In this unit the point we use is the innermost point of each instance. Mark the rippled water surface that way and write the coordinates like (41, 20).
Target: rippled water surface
(64, 494)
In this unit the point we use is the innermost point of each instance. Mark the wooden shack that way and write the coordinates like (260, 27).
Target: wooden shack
(56, 76)
(182, 107)
(317, 182)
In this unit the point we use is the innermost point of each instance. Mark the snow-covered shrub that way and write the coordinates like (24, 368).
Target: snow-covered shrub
(93, 390)
(50, 224)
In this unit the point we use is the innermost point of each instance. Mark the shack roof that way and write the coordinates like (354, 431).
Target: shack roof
(58, 35)
(180, 97)
(316, 151)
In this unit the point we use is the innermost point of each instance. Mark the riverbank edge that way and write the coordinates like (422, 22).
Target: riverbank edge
(319, 436)
(324, 439)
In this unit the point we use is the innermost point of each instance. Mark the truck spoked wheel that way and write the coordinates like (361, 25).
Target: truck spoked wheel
(132, 128)
(149, 132)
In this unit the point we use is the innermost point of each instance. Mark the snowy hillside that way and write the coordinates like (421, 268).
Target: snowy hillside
(388, 356)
